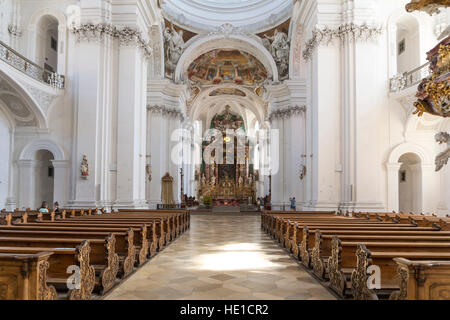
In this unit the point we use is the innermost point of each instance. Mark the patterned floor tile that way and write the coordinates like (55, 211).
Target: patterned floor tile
(221, 257)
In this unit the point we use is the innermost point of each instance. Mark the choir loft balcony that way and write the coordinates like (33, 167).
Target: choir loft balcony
(31, 69)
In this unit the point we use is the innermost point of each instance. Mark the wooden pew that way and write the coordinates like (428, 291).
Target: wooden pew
(167, 228)
(158, 228)
(355, 258)
(60, 260)
(422, 280)
(24, 277)
(145, 239)
(125, 245)
(100, 253)
(320, 242)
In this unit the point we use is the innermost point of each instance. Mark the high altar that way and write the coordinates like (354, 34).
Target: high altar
(230, 182)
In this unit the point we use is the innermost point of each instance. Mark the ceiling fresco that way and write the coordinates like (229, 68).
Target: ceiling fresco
(227, 66)
(227, 91)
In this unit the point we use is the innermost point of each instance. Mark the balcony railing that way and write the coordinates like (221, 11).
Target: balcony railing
(409, 79)
(16, 60)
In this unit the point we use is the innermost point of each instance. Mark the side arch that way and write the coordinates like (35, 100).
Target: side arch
(409, 147)
(31, 148)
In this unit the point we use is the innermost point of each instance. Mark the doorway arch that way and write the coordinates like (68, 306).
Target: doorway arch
(410, 183)
(43, 174)
(419, 159)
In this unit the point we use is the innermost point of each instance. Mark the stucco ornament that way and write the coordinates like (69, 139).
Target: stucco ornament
(174, 47)
(278, 45)
(442, 158)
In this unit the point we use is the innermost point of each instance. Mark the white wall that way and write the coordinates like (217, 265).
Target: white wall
(410, 58)
(43, 183)
(5, 140)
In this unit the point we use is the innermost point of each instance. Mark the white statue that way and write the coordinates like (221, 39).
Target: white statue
(240, 181)
(250, 180)
(279, 48)
(174, 47)
(213, 181)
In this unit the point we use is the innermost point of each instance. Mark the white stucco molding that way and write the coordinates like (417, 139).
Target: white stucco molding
(239, 41)
(38, 96)
(31, 148)
(409, 147)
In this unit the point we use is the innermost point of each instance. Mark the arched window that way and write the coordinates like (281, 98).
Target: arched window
(408, 44)
(47, 43)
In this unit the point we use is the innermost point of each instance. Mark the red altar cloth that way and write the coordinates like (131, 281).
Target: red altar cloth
(226, 202)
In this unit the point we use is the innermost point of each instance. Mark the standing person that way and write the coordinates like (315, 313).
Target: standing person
(261, 203)
(44, 207)
(292, 203)
(56, 207)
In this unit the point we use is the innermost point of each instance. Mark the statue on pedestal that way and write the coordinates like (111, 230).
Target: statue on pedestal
(84, 167)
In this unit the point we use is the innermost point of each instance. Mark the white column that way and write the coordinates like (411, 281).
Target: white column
(323, 132)
(11, 201)
(392, 190)
(94, 105)
(130, 129)
(156, 145)
(61, 181)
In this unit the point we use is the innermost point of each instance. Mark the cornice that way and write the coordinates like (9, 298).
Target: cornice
(127, 36)
(348, 31)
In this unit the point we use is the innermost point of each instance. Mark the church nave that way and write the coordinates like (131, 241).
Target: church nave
(222, 257)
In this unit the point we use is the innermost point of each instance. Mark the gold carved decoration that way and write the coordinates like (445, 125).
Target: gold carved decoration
(294, 244)
(434, 91)
(304, 254)
(287, 235)
(429, 6)
(128, 263)
(45, 292)
(403, 275)
(337, 277)
(154, 243)
(359, 275)
(109, 274)
(144, 246)
(87, 274)
(316, 261)
(161, 235)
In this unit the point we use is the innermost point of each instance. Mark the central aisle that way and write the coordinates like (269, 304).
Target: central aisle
(221, 257)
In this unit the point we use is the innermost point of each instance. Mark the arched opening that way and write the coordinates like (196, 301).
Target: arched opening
(408, 44)
(43, 174)
(43, 178)
(47, 42)
(410, 183)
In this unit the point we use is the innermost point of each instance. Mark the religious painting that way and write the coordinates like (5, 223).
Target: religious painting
(227, 66)
(227, 91)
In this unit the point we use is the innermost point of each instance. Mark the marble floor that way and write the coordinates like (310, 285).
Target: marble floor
(221, 257)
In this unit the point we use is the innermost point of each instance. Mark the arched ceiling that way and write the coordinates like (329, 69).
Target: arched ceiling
(252, 16)
(16, 106)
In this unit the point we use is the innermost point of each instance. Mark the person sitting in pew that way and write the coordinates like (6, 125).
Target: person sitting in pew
(293, 204)
(56, 207)
(44, 207)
